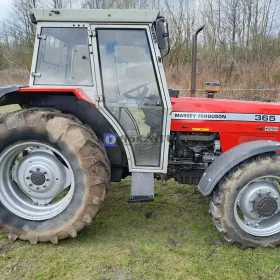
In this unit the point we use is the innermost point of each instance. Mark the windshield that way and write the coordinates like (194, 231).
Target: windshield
(63, 57)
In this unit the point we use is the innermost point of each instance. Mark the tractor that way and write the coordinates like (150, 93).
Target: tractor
(98, 109)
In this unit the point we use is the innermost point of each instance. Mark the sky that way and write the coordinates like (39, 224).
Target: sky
(4, 8)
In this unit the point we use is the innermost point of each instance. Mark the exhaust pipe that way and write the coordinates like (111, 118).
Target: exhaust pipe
(194, 57)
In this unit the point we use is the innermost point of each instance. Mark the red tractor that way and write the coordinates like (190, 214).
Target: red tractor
(98, 109)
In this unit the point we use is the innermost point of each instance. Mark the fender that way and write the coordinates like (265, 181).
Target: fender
(80, 94)
(5, 92)
(226, 161)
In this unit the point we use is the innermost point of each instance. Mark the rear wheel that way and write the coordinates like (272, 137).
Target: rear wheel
(53, 175)
(245, 206)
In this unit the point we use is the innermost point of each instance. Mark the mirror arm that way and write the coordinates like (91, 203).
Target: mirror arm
(168, 41)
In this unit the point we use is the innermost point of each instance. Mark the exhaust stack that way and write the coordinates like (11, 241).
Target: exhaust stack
(194, 57)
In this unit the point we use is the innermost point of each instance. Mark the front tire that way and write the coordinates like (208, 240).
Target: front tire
(68, 175)
(245, 205)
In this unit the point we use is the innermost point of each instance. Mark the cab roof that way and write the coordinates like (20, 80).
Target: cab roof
(94, 15)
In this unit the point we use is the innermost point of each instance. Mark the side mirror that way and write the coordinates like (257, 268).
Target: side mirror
(162, 34)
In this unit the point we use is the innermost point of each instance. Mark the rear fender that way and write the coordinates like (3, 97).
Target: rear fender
(6, 90)
(228, 160)
(14, 94)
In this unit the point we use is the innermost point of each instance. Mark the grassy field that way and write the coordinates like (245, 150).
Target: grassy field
(171, 238)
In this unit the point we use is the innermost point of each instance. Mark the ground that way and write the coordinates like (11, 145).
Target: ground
(171, 238)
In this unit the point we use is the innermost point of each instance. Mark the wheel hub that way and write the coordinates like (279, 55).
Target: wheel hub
(38, 178)
(41, 175)
(37, 181)
(259, 200)
(265, 205)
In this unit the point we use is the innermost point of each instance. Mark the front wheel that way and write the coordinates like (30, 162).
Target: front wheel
(53, 175)
(245, 206)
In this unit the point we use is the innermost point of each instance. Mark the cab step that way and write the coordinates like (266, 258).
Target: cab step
(141, 198)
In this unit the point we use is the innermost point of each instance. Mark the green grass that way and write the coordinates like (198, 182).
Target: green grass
(171, 238)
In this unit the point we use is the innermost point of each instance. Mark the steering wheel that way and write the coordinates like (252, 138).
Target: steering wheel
(141, 94)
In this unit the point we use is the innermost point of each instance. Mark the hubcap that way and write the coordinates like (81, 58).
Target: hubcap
(37, 182)
(257, 206)
(38, 178)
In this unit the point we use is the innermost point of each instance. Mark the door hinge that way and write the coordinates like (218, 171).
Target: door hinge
(92, 33)
(42, 37)
(99, 98)
(159, 59)
(34, 74)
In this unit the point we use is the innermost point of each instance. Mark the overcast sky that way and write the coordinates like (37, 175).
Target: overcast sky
(4, 7)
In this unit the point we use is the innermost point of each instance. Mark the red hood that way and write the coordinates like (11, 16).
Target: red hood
(208, 105)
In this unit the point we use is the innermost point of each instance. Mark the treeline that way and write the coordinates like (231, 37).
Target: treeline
(239, 47)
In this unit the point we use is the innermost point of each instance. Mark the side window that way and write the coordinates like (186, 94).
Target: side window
(55, 52)
(63, 57)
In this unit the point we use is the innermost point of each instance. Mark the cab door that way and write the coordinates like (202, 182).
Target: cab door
(132, 93)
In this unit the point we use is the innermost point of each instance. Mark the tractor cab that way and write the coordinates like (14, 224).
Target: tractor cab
(115, 58)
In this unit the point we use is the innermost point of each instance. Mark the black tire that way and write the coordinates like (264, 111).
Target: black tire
(224, 196)
(88, 159)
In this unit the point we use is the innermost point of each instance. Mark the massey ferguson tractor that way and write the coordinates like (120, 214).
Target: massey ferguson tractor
(98, 109)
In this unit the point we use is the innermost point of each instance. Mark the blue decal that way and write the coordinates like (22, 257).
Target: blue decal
(110, 139)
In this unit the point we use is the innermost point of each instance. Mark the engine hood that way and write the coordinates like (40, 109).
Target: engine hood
(208, 105)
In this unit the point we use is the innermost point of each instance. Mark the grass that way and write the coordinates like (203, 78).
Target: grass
(171, 238)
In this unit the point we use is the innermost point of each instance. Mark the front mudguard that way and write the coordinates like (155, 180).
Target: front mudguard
(228, 160)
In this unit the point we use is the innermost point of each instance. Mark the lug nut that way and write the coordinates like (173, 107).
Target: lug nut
(44, 186)
(37, 188)
(275, 197)
(38, 169)
(47, 180)
(27, 178)
(30, 185)
(268, 192)
(30, 171)
(45, 172)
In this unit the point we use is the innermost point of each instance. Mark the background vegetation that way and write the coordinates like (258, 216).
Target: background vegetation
(173, 237)
(239, 47)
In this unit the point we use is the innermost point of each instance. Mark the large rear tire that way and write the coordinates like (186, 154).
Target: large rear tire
(245, 205)
(68, 171)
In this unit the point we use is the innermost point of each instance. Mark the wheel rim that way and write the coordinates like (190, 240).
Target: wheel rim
(257, 205)
(37, 181)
